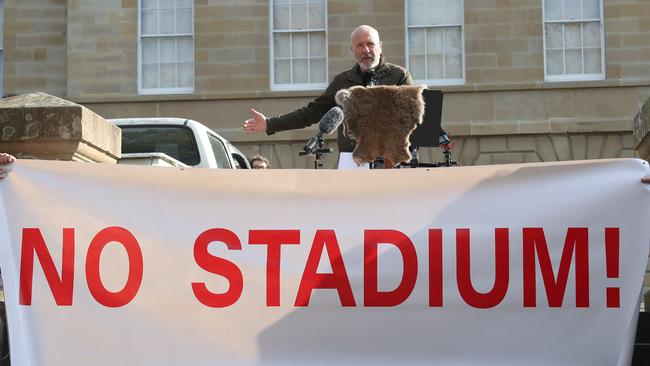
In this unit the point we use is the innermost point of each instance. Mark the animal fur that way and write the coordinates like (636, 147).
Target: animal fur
(381, 119)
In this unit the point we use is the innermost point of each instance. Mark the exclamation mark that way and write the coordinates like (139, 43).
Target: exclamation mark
(611, 259)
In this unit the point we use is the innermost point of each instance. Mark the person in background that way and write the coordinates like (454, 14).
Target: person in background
(260, 162)
(5, 164)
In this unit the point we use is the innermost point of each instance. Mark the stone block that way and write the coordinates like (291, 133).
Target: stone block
(508, 158)
(628, 141)
(605, 102)
(635, 71)
(613, 147)
(622, 55)
(532, 158)
(578, 147)
(495, 128)
(504, 59)
(468, 152)
(493, 144)
(507, 75)
(534, 105)
(483, 159)
(521, 143)
(481, 60)
(546, 149)
(644, 55)
(479, 5)
(534, 127)
(468, 107)
(612, 41)
(562, 147)
(626, 154)
(595, 146)
(613, 71)
(458, 128)
(641, 130)
(635, 40)
(46, 127)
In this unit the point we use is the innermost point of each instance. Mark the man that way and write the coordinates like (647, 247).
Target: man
(5, 167)
(260, 162)
(370, 69)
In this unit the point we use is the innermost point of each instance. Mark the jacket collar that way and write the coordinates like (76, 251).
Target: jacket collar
(382, 70)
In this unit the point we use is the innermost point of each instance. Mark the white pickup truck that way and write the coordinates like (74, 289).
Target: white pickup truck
(177, 142)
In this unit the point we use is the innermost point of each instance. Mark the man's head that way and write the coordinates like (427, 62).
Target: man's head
(260, 162)
(366, 47)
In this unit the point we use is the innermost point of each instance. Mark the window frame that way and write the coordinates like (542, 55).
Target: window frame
(214, 140)
(175, 90)
(436, 82)
(575, 77)
(296, 86)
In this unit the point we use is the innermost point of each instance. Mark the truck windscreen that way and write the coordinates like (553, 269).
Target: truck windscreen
(175, 141)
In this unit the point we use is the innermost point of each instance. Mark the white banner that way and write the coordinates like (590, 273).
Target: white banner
(536, 264)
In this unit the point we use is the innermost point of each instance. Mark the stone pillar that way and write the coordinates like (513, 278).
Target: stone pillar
(42, 126)
(641, 131)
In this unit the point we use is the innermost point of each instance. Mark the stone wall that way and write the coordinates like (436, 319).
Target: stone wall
(34, 55)
(88, 48)
(102, 47)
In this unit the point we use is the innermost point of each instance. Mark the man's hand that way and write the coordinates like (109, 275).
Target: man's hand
(646, 179)
(255, 124)
(5, 164)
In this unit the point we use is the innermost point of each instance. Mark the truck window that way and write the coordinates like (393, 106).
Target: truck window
(220, 154)
(175, 141)
(240, 161)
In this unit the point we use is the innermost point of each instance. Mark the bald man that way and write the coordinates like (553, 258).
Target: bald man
(370, 69)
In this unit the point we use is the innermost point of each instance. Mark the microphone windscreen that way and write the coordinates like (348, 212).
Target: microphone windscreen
(331, 120)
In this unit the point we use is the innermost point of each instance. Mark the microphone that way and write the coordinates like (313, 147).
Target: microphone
(328, 124)
(373, 78)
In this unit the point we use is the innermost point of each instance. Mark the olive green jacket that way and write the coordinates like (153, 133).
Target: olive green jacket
(387, 74)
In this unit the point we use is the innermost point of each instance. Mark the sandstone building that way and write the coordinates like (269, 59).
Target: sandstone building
(524, 80)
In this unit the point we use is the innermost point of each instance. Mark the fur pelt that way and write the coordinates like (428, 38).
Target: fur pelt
(381, 119)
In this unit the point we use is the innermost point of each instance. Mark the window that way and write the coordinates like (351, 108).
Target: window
(298, 44)
(175, 141)
(166, 47)
(435, 41)
(573, 40)
(220, 154)
(240, 161)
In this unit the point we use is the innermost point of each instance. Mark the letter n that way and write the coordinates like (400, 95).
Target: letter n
(534, 244)
(61, 286)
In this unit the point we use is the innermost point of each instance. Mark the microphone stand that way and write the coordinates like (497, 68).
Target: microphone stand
(317, 152)
(416, 163)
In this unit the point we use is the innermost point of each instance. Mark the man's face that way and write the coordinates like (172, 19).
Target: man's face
(259, 164)
(366, 48)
